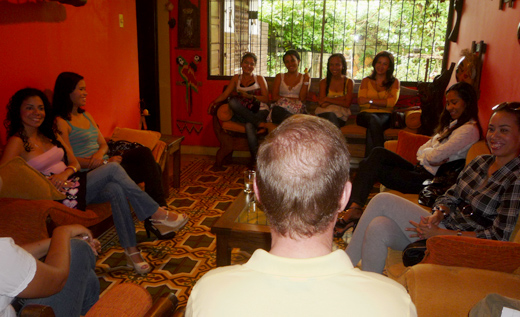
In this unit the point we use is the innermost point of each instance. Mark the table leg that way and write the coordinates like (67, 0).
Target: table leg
(223, 250)
(176, 169)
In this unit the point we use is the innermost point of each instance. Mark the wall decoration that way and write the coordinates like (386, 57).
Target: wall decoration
(454, 35)
(502, 2)
(188, 32)
(189, 126)
(469, 66)
(187, 72)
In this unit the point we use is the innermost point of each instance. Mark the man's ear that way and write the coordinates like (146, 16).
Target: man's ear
(255, 189)
(345, 196)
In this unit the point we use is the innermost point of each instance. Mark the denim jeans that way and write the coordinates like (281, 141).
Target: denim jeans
(331, 116)
(376, 124)
(111, 183)
(81, 291)
(251, 120)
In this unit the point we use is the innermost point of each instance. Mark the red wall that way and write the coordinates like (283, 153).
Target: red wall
(207, 92)
(40, 39)
(482, 21)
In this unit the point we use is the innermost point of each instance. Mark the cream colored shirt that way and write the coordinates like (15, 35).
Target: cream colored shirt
(269, 285)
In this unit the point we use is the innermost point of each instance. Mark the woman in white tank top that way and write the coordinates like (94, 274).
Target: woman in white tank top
(248, 96)
(289, 90)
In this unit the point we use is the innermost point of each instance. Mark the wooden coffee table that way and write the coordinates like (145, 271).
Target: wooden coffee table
(241, 226)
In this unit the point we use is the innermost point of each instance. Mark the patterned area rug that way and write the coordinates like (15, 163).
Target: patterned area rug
(204, 195)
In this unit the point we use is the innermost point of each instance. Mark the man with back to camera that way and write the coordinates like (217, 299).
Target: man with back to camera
(302, 184)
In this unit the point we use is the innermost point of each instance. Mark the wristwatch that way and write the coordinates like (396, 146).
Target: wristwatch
(442, 210)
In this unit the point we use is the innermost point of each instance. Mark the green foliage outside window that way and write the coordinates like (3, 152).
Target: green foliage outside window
(413, 30)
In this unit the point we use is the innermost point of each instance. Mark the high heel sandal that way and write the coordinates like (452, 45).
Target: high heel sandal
(169, 226)
(140, 267)
(150, 227)
(343, 225)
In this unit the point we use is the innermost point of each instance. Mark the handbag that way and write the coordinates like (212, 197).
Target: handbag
(414, 252)
(118, 148)
(445, 177)
(397, 120)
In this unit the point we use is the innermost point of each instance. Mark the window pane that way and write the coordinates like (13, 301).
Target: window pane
(413, 30)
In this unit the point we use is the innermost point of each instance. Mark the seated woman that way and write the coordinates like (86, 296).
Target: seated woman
(289, 89)
(81, 133)
(65, 280)
(457, 131)
(252, 92)
(336, 92)
(483, 203)
(32, 136)
(377, 96)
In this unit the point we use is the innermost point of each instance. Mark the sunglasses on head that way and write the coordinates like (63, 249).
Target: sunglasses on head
(507, 105)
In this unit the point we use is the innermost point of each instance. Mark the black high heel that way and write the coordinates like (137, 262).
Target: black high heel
(343, 225)
(149, 227)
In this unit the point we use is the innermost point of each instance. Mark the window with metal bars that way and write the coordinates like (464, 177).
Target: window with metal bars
(413, 30)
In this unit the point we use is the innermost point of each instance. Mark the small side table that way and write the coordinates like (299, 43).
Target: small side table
(173, 160)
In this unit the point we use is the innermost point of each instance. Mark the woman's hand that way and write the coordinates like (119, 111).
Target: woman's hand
(427, 227)
(96, 160)
(439, 163)
(59, 180)
(116, 158)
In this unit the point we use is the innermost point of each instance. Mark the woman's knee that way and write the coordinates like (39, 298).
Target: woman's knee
(81, 252)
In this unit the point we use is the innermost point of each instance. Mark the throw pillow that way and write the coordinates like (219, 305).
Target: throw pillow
(408, 144)
(20, 180)
(502, 256)
(144, 137)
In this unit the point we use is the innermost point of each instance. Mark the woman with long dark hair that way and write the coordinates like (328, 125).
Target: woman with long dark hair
(289, 89)
(377, 96)
(457, 131)
(250, 107)
(80, 131)
(33, 136)
(336, 92)
(482, 204)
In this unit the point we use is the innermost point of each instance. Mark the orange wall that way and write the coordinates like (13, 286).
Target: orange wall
(40, 39)
(482, 21)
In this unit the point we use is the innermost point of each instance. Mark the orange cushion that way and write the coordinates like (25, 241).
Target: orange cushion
(20, 180)
(145, 137)
(502, 256)
(408, 144)
(125, 299)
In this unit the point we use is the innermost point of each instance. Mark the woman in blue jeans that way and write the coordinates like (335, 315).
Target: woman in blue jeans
(250, 106)
(32, 136)
(66, 280)
(81, 133)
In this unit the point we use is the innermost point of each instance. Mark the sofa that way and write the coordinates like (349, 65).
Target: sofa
(26, 189)
(456, 272)
(231, 135)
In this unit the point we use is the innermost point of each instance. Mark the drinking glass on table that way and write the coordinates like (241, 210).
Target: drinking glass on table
(249, 178)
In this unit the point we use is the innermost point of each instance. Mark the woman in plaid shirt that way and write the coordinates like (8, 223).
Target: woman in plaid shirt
(483, 203)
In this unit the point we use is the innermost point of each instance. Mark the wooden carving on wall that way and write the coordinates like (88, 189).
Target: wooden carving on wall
(454, 35)
(502, 2)
(188, 31)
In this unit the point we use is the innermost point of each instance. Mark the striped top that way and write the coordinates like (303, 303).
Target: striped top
(83, 141)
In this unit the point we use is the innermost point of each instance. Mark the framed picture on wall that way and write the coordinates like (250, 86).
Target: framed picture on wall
(188, 31)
